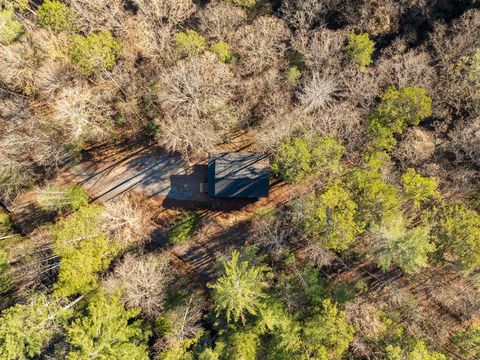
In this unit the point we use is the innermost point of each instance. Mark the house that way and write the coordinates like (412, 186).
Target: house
(238, 175)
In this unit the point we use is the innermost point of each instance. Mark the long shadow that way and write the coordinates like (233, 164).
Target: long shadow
(110, 167)
(141, 180)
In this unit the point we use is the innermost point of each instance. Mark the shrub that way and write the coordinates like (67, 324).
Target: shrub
(55, 15)
(292, 75)
(298, 157)
(94, 52)
(222, 49)
(458, 232)
(330, 218)
(10, 29)
(190, 42)
(398, 109)
(184, 227)
(419, 188)
(360, 49)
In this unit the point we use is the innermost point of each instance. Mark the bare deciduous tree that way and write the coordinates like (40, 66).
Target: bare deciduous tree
(126, 221)
(143, 281)
(318, 93)
(83, 113)
(416, 146)
(220, 20)
(196, 99)
(170, 11)
(18, 63)
(261, 44)
(465, 140)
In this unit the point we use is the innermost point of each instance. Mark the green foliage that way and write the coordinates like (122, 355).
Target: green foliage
(83, 251)
(293, 161)
(222, 49)
(309, 291)
(94, 53)
(20, 5)
(360, 49)
(467, 342)
(327, 334)
(329, 218)
(245, 3)
(107, 331)
(326, 154)
(458, 232)
(59, 199)
(377, 201)
(418, 188)
(471, 70)
(408, 249)
(55, 15)
(190, 42)
(240, 291)
(398, 109)
(10, 29)
(26, 329)
(179, 351)
(419, 351)
(240, 344)
(292, 75)
(298, 157)
(184, 227)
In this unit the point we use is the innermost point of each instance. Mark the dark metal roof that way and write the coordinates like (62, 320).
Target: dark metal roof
(240, 175)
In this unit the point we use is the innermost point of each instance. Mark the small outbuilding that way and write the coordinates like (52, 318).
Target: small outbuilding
(238, 175)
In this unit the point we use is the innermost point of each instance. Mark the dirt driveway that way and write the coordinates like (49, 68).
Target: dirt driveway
(141, 168)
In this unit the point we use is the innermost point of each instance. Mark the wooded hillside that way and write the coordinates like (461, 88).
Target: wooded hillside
(368, 246)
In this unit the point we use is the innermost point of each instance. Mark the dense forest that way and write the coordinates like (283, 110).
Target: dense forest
(368, 246)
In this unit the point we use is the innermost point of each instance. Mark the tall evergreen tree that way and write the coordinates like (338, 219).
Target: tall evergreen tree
(25, 330)
(240, 291)
(107, 331)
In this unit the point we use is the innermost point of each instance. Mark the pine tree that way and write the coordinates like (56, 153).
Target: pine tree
(468, 342)
(240, 291)
(327, 335)
(94, 53)
(25, 330)
(83, 251)
(398, 109)
(10, 29)
(408, 249)
(360, 49)
(418, 188)
(377, 201)
(107, 331)
(458, 232)
(55, 15)
(330, 218)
